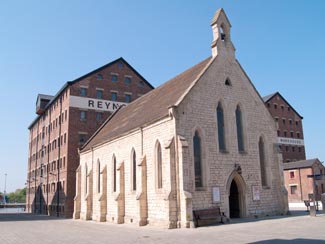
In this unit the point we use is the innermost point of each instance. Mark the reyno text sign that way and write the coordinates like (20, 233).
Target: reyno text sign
(96, 104)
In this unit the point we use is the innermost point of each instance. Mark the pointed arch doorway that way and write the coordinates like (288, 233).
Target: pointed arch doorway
(236, 188)
(234, 206)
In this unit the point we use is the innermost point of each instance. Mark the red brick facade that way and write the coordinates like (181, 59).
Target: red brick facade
(60, 130)
(299, 185)
(289, 127)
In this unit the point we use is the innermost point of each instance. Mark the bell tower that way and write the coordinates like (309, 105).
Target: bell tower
(221, 44)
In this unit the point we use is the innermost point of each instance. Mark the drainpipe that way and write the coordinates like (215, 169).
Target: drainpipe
(141, 129)
(301, 196)
(36, 167)
(30, 167)
(59, 151)
(47, 168)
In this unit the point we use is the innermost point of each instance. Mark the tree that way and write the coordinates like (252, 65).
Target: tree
(18, 196)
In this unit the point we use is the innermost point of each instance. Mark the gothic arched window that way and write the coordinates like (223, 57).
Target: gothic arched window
(261, 149)
(240, 133)
(159, 165)
(134, 171)
(114, 174)
(221, 128)
(197, 160)
(98, 176)
(86, 178)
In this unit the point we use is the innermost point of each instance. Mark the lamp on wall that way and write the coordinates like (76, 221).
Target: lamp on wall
(237, 168)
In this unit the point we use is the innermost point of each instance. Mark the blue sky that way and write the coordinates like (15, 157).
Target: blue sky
(43, 44)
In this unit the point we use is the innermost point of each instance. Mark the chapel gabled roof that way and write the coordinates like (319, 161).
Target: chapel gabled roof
(267, 98)
(147, 109)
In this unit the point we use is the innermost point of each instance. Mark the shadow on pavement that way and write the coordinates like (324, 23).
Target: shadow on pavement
(297, 241)
(10, 217)
(292, 214)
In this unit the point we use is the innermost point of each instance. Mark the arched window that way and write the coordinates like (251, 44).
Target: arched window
(114, 173)
(221, 128)
(159, 165)
(134, 171)
(197, 160)
(240, 133)
(86, 179)
(261, 149)
(98, 176)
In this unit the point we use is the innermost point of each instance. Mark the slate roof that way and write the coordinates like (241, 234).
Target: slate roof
(300, 164)
(269, 97)
(147, 109)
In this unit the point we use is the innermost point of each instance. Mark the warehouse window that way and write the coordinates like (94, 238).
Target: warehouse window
(83, 91)
(141, 84)
(99, 116)
(114, 96)
(99, 77)
(114, 78)
(99, 94)
(82, 138)
(127, 98)
(83, 115)
(127, 80)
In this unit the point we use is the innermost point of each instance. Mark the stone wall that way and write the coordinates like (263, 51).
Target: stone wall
(198, 112)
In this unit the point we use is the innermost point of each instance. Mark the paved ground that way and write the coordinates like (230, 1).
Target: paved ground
(30, 229)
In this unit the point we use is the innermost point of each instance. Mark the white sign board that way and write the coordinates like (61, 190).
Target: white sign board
(256, 193)
(216, 194)
(96, 104)
(290, 141)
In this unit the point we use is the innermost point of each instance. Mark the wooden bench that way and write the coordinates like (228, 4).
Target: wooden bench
(207, 214)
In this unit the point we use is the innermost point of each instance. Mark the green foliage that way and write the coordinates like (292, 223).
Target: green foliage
(18, 196)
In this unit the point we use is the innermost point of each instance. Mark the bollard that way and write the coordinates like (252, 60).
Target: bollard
(312, 211)
(323, 201)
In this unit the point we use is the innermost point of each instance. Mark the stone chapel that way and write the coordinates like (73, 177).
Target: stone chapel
(203, 139)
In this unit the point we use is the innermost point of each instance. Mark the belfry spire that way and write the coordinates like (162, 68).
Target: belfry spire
(221, 44)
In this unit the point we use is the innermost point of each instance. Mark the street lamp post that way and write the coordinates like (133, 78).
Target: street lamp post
(4, 191)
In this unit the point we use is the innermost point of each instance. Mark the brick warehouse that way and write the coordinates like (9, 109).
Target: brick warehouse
(291, 143)
(210, 144)
(64, 122)
(290, 129)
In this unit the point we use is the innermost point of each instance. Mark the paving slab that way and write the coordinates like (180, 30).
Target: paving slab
(35, 229)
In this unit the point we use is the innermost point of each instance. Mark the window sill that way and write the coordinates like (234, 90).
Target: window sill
(243, 152)
(224, 151)
(266, 188)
